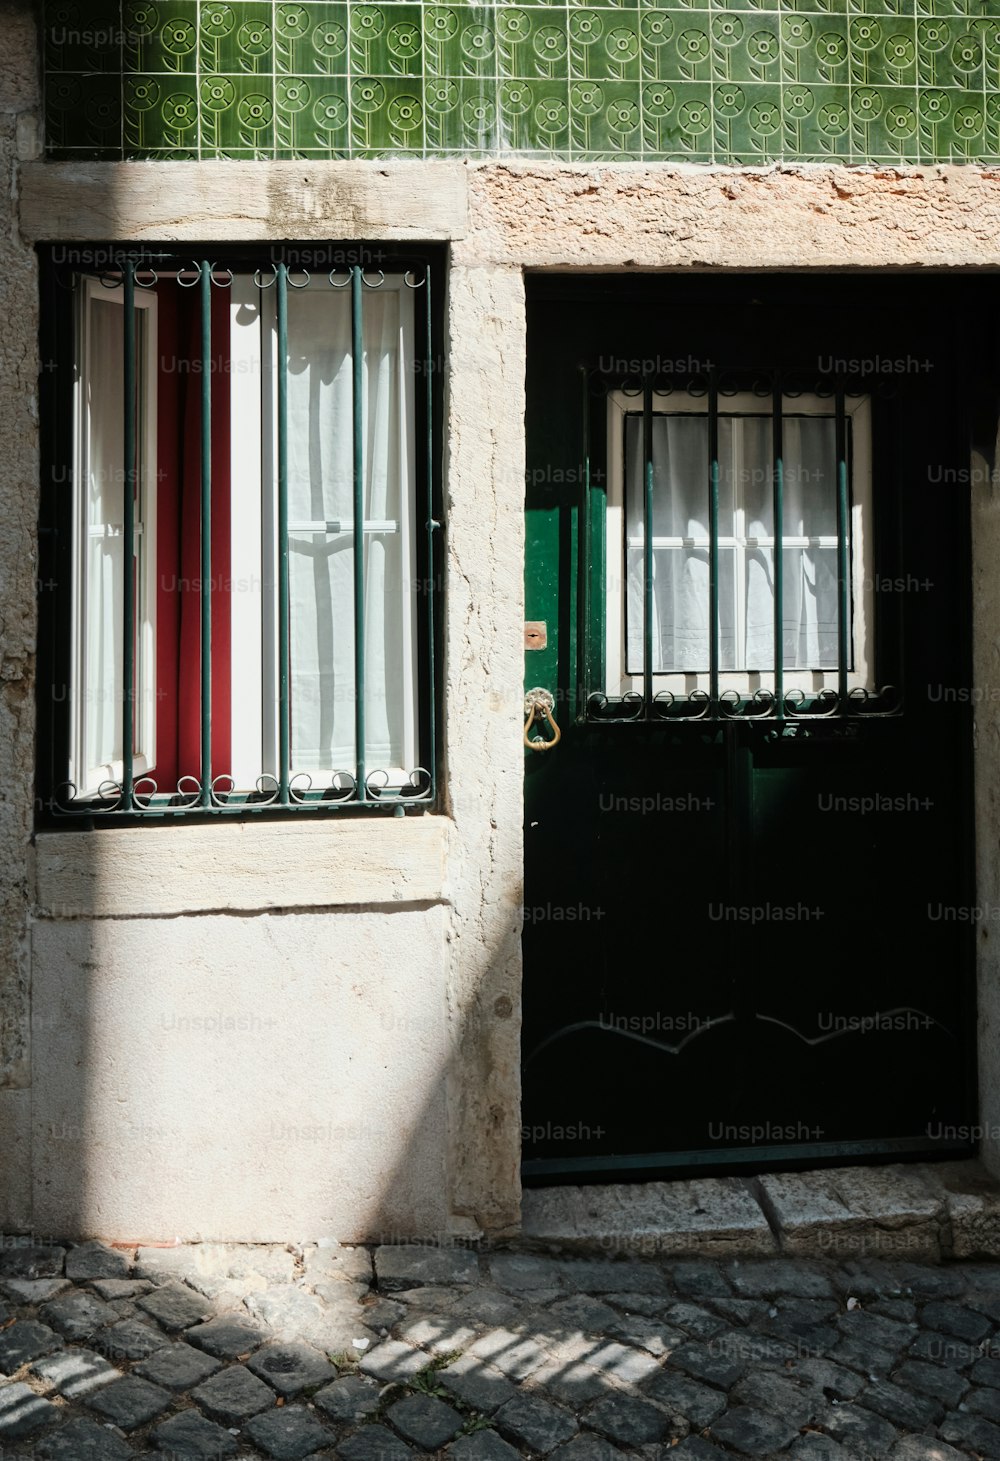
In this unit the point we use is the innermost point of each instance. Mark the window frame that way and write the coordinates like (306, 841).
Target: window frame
(61, 268)
(85, 772)
(618, 681)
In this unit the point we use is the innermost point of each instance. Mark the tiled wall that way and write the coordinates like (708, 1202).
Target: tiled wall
(742, 81)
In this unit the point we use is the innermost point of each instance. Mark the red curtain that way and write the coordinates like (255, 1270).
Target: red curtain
(178, 520)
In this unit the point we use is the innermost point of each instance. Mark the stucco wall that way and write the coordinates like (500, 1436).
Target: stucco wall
(386, 954)
(19, 94)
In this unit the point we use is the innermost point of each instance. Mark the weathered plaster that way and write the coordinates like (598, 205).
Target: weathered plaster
(558, 216)
(263, 1078)
(19, 96)
(484, 510)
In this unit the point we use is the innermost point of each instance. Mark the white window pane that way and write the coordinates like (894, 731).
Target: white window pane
(681, 610)
(321, 565)
(745, 462)
(809, 640)
(680, 478)
(103, 691)
(810, 495)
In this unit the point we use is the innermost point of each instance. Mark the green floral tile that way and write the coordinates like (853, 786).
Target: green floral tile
(162, 38)
(700, 80)
(82, 38)
(385, 40)
(237, 39)
(385, 116)
(237, 114)
(462, 115)
(310, 38)
(158, 112)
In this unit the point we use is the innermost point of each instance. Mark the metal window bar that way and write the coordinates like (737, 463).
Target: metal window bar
(284, 701)
(713, 543)
(129, 479)
(357, 428)
(134, 797)
(780, 705)
(843, 565)
(205, 606)
(647, 547)
(778, 508)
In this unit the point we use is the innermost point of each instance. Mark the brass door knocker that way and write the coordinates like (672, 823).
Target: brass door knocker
(539, 704)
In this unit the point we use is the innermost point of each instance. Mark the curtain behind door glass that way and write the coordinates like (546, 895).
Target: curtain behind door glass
(321, 569)
(680, 574)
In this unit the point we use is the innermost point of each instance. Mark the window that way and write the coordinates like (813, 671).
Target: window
(245, 605)
(658, 633)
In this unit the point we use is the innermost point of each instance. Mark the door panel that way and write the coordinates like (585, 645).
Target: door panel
(738, 950)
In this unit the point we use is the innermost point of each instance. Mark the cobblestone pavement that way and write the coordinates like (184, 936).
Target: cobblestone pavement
(396, 1353)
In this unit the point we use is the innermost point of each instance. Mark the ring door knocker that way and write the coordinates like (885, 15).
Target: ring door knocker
(538, 705)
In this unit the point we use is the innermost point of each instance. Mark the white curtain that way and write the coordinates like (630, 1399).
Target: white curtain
(680, 640)
(102, 684)
(321, 570)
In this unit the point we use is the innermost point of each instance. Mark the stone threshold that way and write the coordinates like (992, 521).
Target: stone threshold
(926, 1212)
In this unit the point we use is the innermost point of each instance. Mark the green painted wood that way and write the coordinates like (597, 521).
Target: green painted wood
(735, 81)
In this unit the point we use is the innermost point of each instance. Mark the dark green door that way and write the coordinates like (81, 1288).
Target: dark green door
(747, 925)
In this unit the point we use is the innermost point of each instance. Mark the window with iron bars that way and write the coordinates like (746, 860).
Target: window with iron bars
(239, 533)
(726, 569)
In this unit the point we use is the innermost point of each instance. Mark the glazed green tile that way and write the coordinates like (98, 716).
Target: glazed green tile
(237, 112)
(690, 128)
(689, 56)
(658, 106)
(385, 40)
(756, 59)
(386, 115)
(605, 44)
(63, 104)
(161, 38)
(545, 124)
(237, 39)
(81, 39)
(514, 28)
(544, 54)
(729, 80)
(605, 116)
(319, 121)
(86, 112)
(462, 116)
(310, 38)
(325, 51)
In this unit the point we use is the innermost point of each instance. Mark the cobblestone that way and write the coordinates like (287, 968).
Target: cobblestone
(233, 1396)
(509, 1357)
(189, 1434)
(288, 1434)
(131, 1402)
(535, 1423)
(178, 1367)
(25, 1340)
(426, 1421)
(84, 1440)
(77, 1315)
(175, 1306)
(291, 1368)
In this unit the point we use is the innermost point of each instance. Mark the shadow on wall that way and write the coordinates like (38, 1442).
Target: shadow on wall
(272, 1074)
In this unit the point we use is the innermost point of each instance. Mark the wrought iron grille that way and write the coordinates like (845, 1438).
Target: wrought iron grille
(777, 704)
(134, 790)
